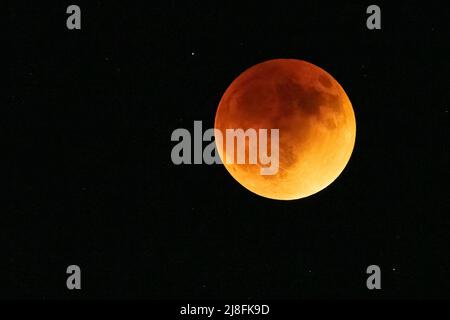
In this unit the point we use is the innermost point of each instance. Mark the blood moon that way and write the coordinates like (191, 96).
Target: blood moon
(315, 118)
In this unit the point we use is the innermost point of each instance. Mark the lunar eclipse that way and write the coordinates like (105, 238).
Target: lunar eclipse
(315, 118)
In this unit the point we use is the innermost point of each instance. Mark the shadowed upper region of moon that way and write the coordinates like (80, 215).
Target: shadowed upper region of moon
(314, 117)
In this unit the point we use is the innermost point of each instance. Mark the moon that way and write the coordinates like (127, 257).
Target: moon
(315, 118)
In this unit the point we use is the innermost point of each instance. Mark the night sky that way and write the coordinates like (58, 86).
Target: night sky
(88, 117)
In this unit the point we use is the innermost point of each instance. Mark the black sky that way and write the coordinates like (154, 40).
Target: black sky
(89, 179)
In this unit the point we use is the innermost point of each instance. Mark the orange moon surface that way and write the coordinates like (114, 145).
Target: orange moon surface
(315, 118)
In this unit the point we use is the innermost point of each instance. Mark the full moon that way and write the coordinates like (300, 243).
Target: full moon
(315, 118)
